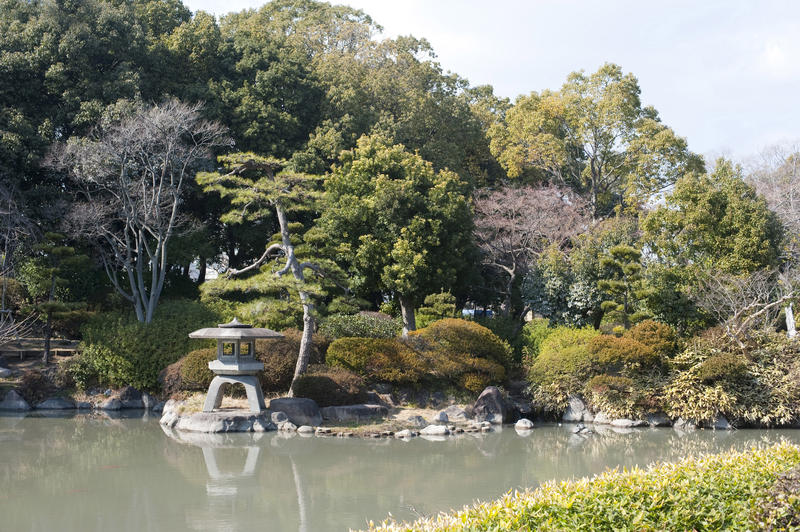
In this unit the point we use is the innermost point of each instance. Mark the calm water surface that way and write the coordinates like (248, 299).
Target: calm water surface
(95, 473)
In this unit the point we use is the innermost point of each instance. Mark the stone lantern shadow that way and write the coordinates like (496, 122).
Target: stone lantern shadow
(236, 362)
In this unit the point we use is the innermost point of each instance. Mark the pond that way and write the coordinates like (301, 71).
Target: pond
(92, 472)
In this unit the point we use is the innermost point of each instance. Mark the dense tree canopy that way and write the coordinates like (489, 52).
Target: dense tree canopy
(395, 221)
(595, 135)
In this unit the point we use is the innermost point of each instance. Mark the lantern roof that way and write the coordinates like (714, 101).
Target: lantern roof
(234, 330)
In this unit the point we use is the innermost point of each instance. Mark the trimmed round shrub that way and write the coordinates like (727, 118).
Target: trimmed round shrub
(363, 325)
(722, 367)
(466, 338)
(195, 374)
(170, 379)
(378, 359)
(562, 367)
(660, 337)
(614, 354)
(279, 356)
(331, 386)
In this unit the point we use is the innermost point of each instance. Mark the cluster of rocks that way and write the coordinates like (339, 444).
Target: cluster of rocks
(577, 412)
(127, 398)
(293, 414)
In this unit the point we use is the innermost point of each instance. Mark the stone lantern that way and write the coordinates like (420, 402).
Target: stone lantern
(236, 362)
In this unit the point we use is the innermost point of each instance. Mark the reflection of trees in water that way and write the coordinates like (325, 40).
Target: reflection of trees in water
(67, 473)
(126, 475)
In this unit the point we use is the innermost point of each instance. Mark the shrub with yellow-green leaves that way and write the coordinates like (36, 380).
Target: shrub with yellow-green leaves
(758, 387)
(616, 396)
(450, 353)
(660, 337)
(562, 367)
(728, 491)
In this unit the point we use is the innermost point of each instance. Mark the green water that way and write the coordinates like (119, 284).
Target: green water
(95, 473)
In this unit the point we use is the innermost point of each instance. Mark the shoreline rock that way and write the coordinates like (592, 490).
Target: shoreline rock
(300, 411)
(490, 406)
(14, 402)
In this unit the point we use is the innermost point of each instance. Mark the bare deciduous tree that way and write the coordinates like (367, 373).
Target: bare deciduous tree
(776, 176)
(743, 303)
(514, 225)
(133, 174)
(14, 227)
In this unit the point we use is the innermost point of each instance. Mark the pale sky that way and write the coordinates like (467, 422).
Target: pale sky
(725, 74)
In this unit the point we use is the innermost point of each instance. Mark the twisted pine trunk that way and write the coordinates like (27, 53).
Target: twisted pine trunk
(296, 268)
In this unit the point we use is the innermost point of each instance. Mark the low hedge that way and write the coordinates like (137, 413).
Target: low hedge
(364, 325)
(378, 359)
(728, 491)
(452, 353)
(331, 386)
(195, 375)
(626, 355)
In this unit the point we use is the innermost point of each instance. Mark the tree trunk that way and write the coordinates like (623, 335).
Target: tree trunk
(304, 355)
(48, 332)
(791, 329)
(306, 341)
(505, 307)
(407, 311)
(201, 276)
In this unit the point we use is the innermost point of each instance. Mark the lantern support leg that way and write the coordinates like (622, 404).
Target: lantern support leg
(255, 397)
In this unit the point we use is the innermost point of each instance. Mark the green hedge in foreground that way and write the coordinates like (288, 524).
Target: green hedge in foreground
(715, 492)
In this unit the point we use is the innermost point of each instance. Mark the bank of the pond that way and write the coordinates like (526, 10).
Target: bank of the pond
(729, 491)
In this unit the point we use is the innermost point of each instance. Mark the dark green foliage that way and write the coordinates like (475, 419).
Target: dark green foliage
(392, 221)
(365, 325)
(621, 283)
(97, 364)
(35, 387)
(436, 307)
(139, 351)
(331, 386)
(508, 329)
(195, 374)
(714, 222)
(722, 367)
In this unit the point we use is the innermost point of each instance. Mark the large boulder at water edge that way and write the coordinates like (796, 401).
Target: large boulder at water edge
(299, 410)
(14, 401)
(491, 406)
(576, 411)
